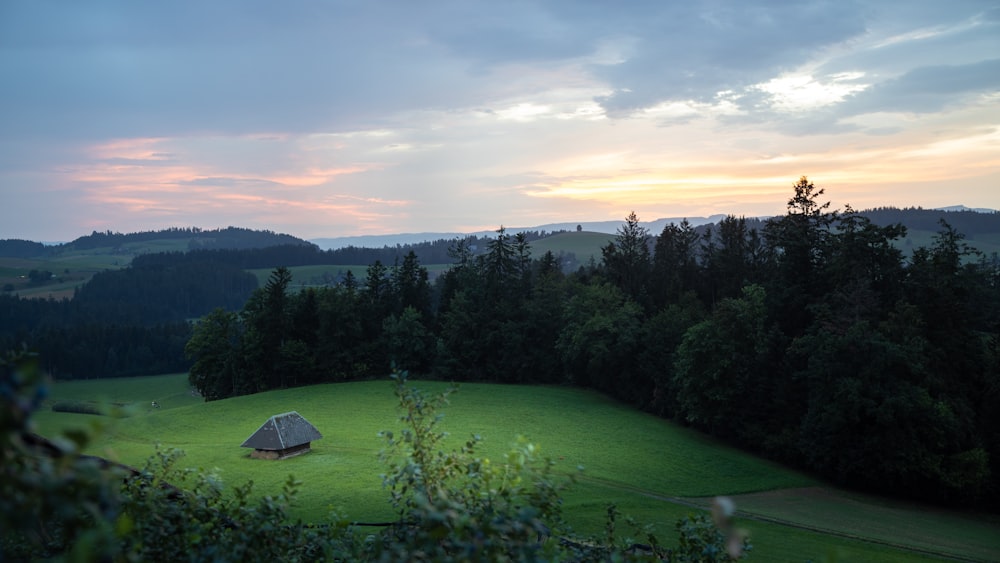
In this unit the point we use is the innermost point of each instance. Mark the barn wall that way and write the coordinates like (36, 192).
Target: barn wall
(282, 454)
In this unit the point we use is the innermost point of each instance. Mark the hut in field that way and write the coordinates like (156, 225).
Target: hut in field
(282, 436)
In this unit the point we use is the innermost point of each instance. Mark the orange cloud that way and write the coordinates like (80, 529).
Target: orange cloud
(315, 176)
(153, 175)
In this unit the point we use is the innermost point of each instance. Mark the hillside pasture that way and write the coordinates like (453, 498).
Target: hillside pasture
(72, 269)
(650, 468)
(987, 243)
(324, 274)
(169, 391)
(14, 271)
(311, 276)
(156, 245)
(584, 245)
(889, 521)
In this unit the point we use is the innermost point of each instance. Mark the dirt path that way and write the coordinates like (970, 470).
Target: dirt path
(703, 503)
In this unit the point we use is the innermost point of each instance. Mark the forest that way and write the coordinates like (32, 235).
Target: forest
(811, 341)
(809, 338)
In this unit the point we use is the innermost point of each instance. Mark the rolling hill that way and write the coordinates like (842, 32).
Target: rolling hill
(650, 468)
(60, 269)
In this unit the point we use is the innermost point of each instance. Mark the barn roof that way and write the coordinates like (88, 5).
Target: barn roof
(282, 431)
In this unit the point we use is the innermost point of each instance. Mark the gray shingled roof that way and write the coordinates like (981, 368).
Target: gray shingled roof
(282, 431)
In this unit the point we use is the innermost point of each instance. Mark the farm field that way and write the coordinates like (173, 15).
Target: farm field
(72, 269)
(326, 274)
(987, 243)
(585, 245)
(651, 469)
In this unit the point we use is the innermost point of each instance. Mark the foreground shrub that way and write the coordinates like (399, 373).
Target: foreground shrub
(459, 506)
(52, 499)
(170, 514)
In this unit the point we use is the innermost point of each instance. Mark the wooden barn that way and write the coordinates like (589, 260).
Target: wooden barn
(282, 436)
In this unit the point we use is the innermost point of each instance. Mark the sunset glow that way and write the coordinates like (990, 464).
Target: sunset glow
(403, 119)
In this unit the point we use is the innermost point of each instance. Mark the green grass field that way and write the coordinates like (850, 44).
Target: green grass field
(72, 269)
(988, 243)
(585, 245)
(313, 276)
(652, 469)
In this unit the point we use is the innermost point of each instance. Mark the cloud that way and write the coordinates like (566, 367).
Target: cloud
(340, 116)
(139, 161)
(924, 34)
(121, 69)
(927, 89)
(126, 69)
(217, 181)
(694, 51)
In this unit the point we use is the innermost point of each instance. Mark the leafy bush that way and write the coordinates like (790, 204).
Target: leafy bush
(456, 506)
(52, 499)
(56, 502)
(459, 506)
(169, 514)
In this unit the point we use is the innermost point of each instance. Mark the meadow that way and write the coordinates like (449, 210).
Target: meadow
(71, 268)
(986, 243)
(319, 275)
(649, 468)
(585, 245)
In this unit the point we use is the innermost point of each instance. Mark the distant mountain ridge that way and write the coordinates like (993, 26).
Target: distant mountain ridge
(964, 208)
(229, 237)
(192, 238)
(958, 216)
(609, 227)
(966, 220)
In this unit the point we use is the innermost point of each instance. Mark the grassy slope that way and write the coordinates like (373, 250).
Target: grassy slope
(988, 243)
(72, 268)
(872, 517)
(305, 276)
(631, 459)
(583, 244)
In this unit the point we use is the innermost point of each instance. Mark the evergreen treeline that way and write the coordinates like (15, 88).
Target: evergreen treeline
(17, 248)
(148, 303)
(429, 252)
(74, 345)
(248, 248)
(810, 339)
(125, 322)
(230, 237)
(151, 292)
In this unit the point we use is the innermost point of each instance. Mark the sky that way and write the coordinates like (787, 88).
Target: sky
(341, 118)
